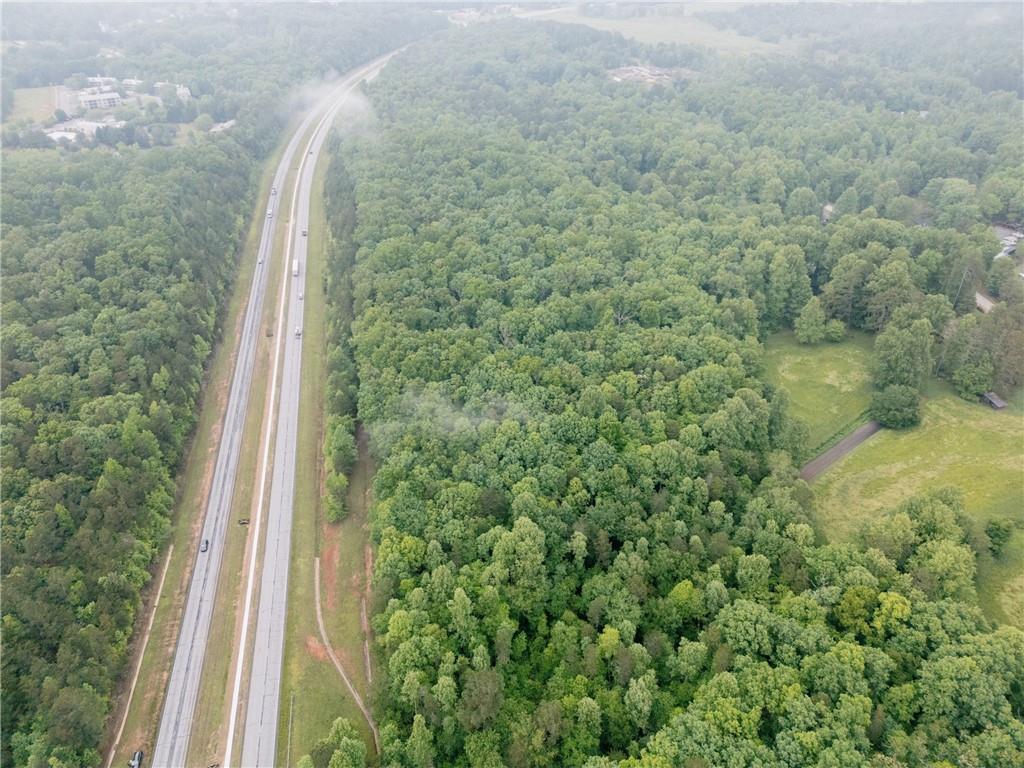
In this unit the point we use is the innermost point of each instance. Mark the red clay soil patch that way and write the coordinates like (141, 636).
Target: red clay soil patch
(316, 649)
(329, 564)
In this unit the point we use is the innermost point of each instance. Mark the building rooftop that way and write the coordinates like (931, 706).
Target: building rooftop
(650, 75)
(994, 400)
(58, 135)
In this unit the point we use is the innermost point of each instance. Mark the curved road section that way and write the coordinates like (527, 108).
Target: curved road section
(259, 741)
(183, 687)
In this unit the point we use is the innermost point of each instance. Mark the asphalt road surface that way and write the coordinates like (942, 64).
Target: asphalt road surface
(259, 741)
(172, 741)
(823, 461)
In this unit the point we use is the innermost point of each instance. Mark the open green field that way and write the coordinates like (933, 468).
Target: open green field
(185, 133)
(674, 28)
(958, 443)
(35, 104)
(829, 385)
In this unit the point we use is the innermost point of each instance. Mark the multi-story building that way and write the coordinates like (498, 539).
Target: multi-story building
(99, 98)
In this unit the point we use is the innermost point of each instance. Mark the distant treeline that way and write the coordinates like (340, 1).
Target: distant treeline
(241, 62)
(975, 42)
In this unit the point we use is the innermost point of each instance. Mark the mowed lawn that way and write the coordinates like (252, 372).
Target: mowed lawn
(34, 104)
(829, 385)
(958, 443)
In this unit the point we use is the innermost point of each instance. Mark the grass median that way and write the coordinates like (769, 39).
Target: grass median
(213, 707)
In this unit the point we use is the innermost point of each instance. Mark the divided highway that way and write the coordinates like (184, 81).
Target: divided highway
(171, 749)
(259, 744)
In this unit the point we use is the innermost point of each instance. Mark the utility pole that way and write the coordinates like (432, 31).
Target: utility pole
(963, 277)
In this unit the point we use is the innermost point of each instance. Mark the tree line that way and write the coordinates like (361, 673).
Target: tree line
(249, 63)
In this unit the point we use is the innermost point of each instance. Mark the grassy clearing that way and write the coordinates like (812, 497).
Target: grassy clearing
(193, 484)
(353, 575)
(829, 385)
(958, 443)
(320, 695)
(1001, 583)
(675, 28)
(33, 104)
(186, 133)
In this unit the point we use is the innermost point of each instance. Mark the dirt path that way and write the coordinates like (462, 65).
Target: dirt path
(337, 664)
(363, 618)
(823, 461)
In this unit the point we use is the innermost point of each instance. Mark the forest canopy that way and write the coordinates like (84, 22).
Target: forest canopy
(593, 547)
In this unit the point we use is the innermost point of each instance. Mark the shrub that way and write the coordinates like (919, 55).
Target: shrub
(896, 406)
(835, 331)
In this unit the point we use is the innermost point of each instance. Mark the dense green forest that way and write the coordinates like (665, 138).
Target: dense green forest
(116, 268)
(592, 544)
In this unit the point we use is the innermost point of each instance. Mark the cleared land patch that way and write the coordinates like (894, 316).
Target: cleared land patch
(35, 104)
(829, 385)
(958, 443)
(670, 28)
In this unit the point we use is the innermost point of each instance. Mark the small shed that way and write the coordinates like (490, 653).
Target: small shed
(994, 400)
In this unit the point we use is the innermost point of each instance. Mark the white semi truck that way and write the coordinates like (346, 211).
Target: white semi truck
(295, 267)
